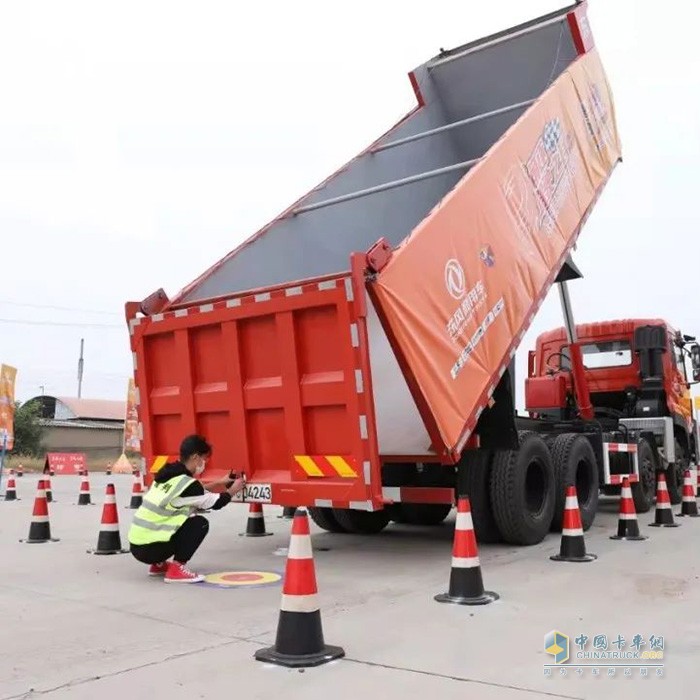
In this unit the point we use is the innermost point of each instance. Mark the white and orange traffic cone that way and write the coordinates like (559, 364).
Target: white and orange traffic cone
(109, 469)
(11, 488)
(466, 583)
(627, 525)
(573, 545)
(84, 495)
(40, 528)
(689, 505)
(136, 492)
(109, 539)
(663, 516)
(20, 470)
(255, 527)
(299, 642)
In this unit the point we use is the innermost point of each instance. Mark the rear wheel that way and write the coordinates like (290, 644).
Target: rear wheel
(473, 474)
(361, 522)
(324, 518)
(522, 491)
(676, 473)
(643, 490)
(575, 465)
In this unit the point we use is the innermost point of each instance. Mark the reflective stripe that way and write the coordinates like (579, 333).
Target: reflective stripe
(158, 527)
(153, 508)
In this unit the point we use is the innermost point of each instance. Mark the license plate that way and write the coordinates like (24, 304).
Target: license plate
(255, 493)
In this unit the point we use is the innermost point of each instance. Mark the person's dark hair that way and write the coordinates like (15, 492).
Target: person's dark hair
(194, 445)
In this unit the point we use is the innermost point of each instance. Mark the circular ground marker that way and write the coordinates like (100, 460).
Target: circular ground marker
(231, 579)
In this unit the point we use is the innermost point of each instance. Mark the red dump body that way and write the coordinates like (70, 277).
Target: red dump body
(371, 321)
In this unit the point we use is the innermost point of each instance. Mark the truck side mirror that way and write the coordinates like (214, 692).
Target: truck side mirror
(695, 360)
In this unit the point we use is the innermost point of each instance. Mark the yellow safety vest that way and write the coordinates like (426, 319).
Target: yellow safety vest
(156, 520)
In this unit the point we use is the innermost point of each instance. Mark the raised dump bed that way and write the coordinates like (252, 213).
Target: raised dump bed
(374, 321)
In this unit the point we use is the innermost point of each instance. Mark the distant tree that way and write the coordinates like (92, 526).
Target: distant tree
(29, 432)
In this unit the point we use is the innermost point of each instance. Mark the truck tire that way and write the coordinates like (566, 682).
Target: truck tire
(675, 475)
(575, 465)
(476, 484)
(522, 491)
(644, 491)
(421, 513)
(324, 518)
(361, 522)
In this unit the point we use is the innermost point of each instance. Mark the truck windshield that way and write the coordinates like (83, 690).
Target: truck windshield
(613, 353)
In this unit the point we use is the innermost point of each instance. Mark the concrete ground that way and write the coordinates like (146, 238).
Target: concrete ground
(75, 625)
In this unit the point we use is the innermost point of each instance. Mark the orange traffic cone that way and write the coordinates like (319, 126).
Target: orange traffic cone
(20, 470)
(689, 505)
(109, 469)
(627, 525)
(84, 496)
(255, 526)
(299, 641)
(663, 514)
(40, 528)
(573, 546)
(466, 583)
(136, 492)
(109, 539)
(11, 488)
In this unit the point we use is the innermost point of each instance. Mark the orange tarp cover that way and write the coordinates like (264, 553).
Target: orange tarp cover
(461, 290)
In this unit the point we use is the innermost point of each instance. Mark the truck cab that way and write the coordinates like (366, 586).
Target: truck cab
(637, 377)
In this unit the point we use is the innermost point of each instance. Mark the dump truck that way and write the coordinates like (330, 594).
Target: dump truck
(637, 379)
(356, 355)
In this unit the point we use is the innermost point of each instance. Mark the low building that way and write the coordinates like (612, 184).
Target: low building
(92, 426)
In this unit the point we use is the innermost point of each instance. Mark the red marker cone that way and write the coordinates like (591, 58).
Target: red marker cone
(663, 514)
(84, 496)
(136, 492)
(256, 522)
(466, 584)
(627, 525)
(11, 488)
(40, 528)
(109, 539)
(288, 513)
(689, 505)
(20, 470)
(573, 546)
(109, 469)
(299, 642)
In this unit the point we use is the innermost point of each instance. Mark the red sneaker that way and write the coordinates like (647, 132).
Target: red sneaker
(158, 569)
(178, 573)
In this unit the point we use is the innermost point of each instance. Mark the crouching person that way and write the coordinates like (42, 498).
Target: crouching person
(165, 526)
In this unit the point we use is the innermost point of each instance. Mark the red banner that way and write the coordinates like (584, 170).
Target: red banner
(65, 462)
(460, 292)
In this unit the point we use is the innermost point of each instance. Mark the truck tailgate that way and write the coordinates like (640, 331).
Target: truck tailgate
(278, 382)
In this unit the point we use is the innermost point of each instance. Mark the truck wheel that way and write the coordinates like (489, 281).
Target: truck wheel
(522, 491)
(422, 513)
(476, 466)
(362, 522)
(675, 475)
(575, 465)
(324, 518)
(643, 491)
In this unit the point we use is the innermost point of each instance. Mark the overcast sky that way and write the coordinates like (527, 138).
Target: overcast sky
(141, 141)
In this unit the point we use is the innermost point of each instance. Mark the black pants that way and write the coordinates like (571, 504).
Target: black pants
(181, 546)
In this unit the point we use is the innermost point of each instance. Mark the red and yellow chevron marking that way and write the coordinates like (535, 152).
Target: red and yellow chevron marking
(159, 462)
(325, 465)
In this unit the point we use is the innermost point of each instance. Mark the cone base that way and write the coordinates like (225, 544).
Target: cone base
(688, 515)
(255, 534)
(109, 551)
(51, 539)
(628, 537)
(12, 498)
(664, 525)
(272, 656)
(484, 599)
(578, 560)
